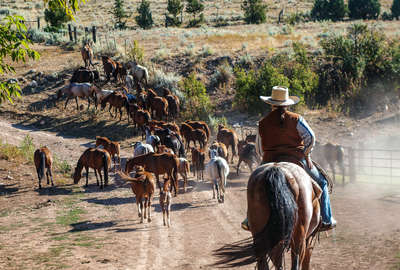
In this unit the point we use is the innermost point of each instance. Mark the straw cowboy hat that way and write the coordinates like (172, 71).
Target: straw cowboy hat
(280, 97)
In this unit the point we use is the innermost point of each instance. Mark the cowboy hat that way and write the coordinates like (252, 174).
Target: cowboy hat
(280, 97)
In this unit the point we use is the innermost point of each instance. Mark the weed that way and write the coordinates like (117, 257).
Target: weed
(213, 122)
(71, 217)
(27, 148)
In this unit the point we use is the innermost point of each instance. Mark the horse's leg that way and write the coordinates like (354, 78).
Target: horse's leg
(97, 179)
(238, 165)
(66, 102)
(51, 176)
(141, 210)
(215, 186)
(298, 246)
(77, 106)
(40, 180)
(102, 184)
(168, 210)
(120, 114)
(87, 176)
(342, 168)
(262, 264)
(149, 209)
(158, 182)
(332, 166)
(47, 177)
(109, 110)
(307, 256)
(184, 181)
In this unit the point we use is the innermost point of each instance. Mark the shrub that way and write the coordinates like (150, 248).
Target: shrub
(222, 76)
(395, 9)
(144, 19)
(198, 105)
(174, 7)
(297, 17)
(254, 11)
(214, 121)
(136, 53)
(194, 7)
(55, 15)
(334, 10)
(364, 9)
(250, 86)
(169, 80)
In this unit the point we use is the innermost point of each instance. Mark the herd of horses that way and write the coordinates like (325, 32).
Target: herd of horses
(283, 207)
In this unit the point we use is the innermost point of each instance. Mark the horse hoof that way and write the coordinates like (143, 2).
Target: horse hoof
(149, 220)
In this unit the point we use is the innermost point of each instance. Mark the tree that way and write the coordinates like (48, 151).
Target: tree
(144, 19)
(14, 44)
(254, 11)
(55, 16)
(395, 9)
(364, 9)
(334, 10)
(119, 14)
(174, 7)
(194, 7)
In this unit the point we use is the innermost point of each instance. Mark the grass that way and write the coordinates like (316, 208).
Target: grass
(397, 263)
(19, 154)
(71, 217)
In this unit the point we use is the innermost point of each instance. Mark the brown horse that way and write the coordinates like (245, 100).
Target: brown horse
(109, 66)
(157, 164)
(118, 101)
(43, 160)
(112, 147)
(195, 135)
(140, 119)
(87, 55)
(247, 154)
(159, 105)
(96, 159)
(330, 154)
(221, 149)
(283, 212)
(120, 72)
(143, 187)
(198, 159)
(173, 106)
(229, 138)
(200, 124)
(165, 202)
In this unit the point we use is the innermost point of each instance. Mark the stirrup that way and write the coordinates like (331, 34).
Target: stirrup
(245, 225)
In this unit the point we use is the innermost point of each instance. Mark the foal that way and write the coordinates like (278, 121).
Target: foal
(165, 201)
(42, 158)
(113, 149)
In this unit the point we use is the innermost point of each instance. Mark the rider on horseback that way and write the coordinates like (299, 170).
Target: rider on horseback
(286, 136)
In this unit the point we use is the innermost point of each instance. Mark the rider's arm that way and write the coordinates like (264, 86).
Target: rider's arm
(307, 134)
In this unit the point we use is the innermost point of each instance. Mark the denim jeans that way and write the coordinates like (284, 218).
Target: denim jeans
(326, 211)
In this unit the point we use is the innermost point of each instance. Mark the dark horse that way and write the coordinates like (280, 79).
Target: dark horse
(43, 160)
(284, 214)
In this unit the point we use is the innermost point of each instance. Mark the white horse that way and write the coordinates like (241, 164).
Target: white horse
(138, 72)
(153, 140)
(142, 148)
(217, 170)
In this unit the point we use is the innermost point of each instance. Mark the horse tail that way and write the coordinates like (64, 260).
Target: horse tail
(181, 148)
(146, 76)
(105, 167)
(42, 165)
(175, 174)
(217, 162)
(283, 215)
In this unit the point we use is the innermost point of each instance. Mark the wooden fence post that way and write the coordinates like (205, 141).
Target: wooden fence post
(352, 165)
(86, 32)
(70, 33)
(75, 37)
(94, 33)
(38, 22)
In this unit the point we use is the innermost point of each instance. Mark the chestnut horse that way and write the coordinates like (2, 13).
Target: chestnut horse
(112, 147)
(43, 160)
(221, 149)
(118, 101)
(109, 67)
(143, 187)
(283, 213)
(157, 164)
(193, 135)
(229, 138)
(93, 158)
(200, 124)
(87, 55)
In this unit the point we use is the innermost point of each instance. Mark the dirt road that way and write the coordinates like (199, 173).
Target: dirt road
(73, 227)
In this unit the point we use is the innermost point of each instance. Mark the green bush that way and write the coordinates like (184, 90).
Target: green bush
(255, 83)
(334, 10)
(254, 11)
(55, 15)
(364, 9)
(144, 19)
(198, 105)
(395, 9)
(120, 14)
(136, 53)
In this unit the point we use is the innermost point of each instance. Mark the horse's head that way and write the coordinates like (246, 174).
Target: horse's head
(77, 175)
(213, 153)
